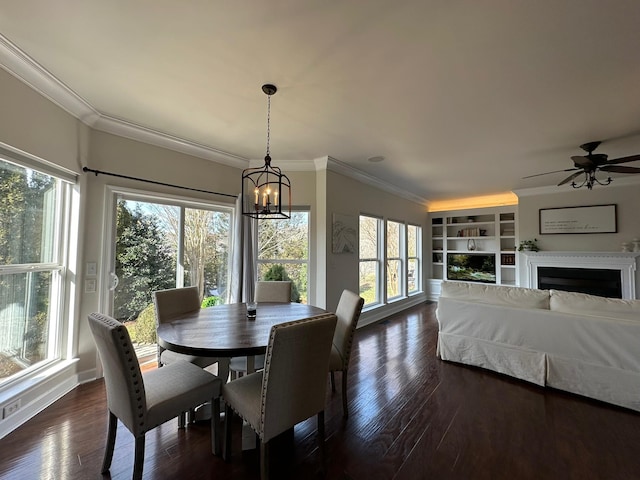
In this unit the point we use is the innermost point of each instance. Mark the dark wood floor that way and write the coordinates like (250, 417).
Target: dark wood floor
(412, 417)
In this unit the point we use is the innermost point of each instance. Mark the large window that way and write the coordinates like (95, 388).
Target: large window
(33, 215)
(166, 243)
(395, 259)
(370, 253)
(283, 252)
(414, 252)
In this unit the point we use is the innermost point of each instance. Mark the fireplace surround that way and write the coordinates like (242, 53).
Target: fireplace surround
(589, 263)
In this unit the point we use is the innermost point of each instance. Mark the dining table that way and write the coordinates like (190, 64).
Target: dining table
(227, 331)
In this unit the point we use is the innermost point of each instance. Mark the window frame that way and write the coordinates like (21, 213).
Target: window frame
(417, 258)
(65, 212)
(401, 258)
(378, 260)
(259, 261)
(115, 193)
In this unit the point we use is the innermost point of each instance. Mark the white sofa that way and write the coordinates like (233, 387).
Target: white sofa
(571, 341)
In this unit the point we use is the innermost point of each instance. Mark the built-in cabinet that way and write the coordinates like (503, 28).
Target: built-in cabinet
(483, 235)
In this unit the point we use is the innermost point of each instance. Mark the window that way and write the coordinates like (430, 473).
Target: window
(165, 243)
(414, 250)
(283, 252)
(370, 254)
(34, 211)
(395, 259)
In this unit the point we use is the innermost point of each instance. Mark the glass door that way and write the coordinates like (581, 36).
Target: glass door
(162, 244)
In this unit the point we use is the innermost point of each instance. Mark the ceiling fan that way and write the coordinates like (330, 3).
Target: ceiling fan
(591, 163)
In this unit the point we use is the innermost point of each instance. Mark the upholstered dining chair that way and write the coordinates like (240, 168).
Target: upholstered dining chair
(348, 313)
(171, 303)
(144, 401)
(266, 291)
(273, 291)
(290, 389)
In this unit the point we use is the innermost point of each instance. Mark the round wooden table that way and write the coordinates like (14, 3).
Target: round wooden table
(225, 330)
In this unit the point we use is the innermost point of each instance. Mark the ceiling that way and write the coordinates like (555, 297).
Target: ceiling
(461, 98)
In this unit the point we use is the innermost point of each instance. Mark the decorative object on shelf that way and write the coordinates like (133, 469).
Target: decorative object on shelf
(471, 244)
(266, 191)
(529, 246)
(508, 259)
(592, 163)
(626, 247)
(471, 232)
(636, 244)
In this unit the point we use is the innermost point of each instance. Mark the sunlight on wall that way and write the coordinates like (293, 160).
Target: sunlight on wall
(497, 200)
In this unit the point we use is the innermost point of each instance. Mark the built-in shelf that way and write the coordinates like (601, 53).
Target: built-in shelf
(480, 231)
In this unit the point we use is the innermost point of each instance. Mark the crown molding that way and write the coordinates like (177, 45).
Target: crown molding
(123, 128)
(31, 73)
(337, 166)
(28, 71)
(286, 165)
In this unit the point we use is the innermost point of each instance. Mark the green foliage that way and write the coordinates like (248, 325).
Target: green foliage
(529, 245)
(211, 301)
(368, 292)
(276, 273)
(144, 262)
(284, 240)
(27, 203)
(143, 330)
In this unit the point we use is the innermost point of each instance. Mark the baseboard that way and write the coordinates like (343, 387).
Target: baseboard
(380, 313)
(37, 393)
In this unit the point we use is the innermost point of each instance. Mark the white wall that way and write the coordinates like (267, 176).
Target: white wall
(626, 196)
(31, 123)
(351, 197)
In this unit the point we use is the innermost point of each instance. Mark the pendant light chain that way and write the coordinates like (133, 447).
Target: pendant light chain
(268, 122)
(266, 191)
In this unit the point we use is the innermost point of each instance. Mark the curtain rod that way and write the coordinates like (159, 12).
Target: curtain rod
(98, 172)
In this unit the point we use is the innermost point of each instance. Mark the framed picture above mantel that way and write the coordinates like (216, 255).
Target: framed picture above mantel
(587, 219)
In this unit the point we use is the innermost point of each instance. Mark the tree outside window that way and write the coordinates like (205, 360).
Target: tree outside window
(414, 249)
(370, 259)
(160, 246)
(31, 273)
(395, 259)
(283, 252)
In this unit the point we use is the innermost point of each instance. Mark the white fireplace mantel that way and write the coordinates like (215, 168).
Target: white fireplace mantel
(626, 262)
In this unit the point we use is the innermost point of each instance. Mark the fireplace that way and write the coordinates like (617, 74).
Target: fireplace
(610, 274)
(594, 281)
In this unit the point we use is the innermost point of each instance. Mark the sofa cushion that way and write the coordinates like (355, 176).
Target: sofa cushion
(583, 304)
(496, 294)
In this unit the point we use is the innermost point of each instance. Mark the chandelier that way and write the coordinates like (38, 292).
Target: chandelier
(266, 191)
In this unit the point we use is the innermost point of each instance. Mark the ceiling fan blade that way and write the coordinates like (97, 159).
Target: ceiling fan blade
(631, 158)
(547, 173)
(617, 169)
(582, 161)
(571, 177)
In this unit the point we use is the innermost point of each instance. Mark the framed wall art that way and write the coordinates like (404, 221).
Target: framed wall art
(588, 219)
(345, 233)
